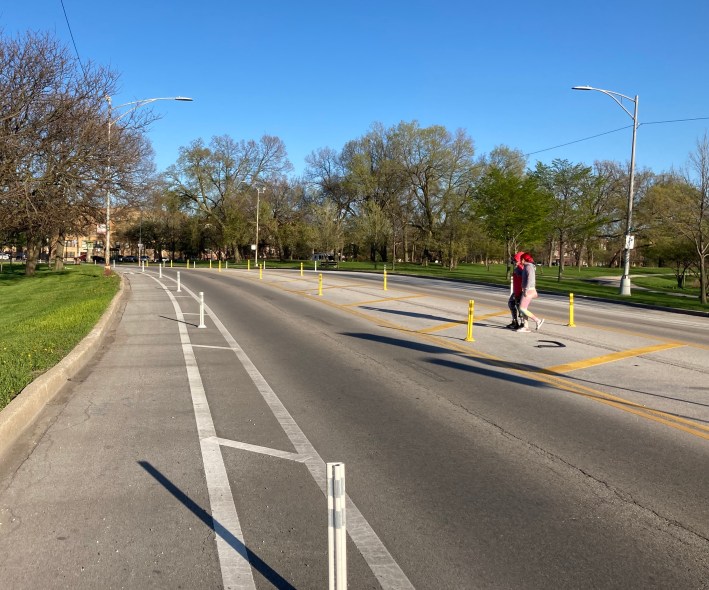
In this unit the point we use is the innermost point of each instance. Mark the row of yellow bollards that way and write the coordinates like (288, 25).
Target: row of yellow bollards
(471, 303)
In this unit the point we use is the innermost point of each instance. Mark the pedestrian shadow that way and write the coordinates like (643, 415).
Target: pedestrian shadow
(411, 314)
(500, 369)
(236, 544)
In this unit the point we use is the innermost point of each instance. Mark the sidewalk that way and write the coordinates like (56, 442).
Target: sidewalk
(72, 513)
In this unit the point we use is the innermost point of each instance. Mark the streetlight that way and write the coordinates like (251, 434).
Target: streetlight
(136, 105)
(259, 190)
(617, 97)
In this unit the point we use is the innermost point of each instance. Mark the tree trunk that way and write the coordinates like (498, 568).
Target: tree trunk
(59, 253)
(33, 249)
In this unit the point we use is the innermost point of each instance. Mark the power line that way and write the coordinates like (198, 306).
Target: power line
(577, 141)
(675, 121)
(71, 34)
(614, 131)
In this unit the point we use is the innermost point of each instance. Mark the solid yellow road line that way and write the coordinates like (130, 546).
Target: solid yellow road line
(609, 358)
(358, 303)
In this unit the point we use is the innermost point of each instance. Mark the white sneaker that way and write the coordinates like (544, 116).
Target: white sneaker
(539, 324)
(523, 329)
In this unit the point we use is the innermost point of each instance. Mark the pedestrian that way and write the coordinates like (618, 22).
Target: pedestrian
(516, 295)
(529, 292)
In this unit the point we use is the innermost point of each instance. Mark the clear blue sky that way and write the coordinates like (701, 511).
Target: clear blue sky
(317, 74)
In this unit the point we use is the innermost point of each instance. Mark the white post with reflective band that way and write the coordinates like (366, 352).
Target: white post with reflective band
(336, 527)
(179, 290)
(201, 310)
(160, 270)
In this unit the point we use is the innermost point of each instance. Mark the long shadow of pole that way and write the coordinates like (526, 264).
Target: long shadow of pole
(256, 562)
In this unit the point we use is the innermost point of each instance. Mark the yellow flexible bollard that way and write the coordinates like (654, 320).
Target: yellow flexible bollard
(571, 311)
(385, 279)
(170, 262)
(260, 272)
(210, 264)
(471, 314)
(320, 284)
(301, 269)
(220, 266)
(248, 264)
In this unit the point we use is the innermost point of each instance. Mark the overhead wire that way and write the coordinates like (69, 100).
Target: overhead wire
(71, 34)
(614, 131)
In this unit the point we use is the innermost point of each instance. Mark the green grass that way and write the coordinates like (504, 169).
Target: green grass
(44, 317)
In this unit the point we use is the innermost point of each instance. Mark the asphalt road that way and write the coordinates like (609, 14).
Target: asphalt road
(567, 458)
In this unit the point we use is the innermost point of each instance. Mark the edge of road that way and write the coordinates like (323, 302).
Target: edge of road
(26, 406)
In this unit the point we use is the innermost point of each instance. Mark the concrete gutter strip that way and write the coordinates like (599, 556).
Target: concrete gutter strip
(27, 405)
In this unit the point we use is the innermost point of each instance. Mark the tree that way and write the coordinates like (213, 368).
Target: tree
(438, 168)
(681, 204)
(54, 151)
(566, 184)
(217, 181)
(510, 203)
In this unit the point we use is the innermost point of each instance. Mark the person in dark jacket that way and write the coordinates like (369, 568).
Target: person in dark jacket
(518, 320)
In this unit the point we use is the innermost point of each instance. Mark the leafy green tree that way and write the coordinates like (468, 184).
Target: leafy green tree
(681, 204)
(510, 203)
(566, 184)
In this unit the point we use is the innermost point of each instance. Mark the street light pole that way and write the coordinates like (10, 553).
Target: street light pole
(259, 189)
(136, 104)
(617, 97)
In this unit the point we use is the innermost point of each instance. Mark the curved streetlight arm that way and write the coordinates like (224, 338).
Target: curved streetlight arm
(625, 279)
(136, 104)
(613, 95)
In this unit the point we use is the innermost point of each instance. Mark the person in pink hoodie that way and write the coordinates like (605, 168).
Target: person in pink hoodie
(529, 292)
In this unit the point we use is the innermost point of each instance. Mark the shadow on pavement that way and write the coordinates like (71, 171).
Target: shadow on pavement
(256, 562)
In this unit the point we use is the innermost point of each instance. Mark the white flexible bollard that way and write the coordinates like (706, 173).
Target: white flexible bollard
(201, 310)
(160, 270)
(178, 282)
(336, 527)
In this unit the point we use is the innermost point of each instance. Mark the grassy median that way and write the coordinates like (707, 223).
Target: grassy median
(43, 317)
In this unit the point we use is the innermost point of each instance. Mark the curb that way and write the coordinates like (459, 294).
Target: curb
(27, 405)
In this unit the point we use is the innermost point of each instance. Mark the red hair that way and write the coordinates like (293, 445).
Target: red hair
(527, 257)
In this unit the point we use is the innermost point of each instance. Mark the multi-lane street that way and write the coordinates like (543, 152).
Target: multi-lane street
(194, 457)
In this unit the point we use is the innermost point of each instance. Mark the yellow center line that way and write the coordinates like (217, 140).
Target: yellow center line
(446, 326)
(358, 303)
(612, 357)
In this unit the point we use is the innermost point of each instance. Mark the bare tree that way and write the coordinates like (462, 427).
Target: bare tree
(53, 142)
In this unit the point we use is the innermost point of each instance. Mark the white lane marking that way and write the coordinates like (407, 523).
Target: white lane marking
(233, 561)
(210, 346)
(262, 450)
(377, 556)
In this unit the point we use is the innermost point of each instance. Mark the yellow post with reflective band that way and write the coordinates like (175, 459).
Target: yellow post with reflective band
(471, 315)
(320, 284)
(385, 279)
(260, 272)
(571, 311)
(301, 269)
(248, 264)
(210, 264)
(170, 263)
(220, 266)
